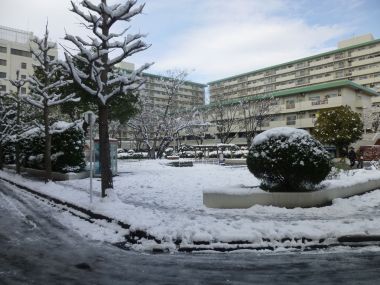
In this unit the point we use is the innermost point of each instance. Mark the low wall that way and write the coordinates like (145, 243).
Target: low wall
(235, 161)
(288, 200)
(56, 176)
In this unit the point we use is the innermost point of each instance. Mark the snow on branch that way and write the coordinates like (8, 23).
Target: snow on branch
(94, 54)
(47, 81)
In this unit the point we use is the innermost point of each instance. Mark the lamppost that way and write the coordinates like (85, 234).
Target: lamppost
(90, 118)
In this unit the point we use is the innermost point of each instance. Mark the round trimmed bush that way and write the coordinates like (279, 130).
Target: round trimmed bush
(288, 160)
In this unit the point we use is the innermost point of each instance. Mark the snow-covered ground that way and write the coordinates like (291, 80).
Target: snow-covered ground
(167, 202)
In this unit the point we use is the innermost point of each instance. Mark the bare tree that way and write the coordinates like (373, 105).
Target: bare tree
(45, 84)
(256, 111)
(158, 125)
(371, 118)
(94, 56)
(225, 117)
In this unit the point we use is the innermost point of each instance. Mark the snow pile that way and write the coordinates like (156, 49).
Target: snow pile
(290, 133)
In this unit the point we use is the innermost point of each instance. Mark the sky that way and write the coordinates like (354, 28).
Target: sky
(214, 39)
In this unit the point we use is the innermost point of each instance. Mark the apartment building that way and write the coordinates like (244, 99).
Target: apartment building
(356, 59)
(15, 55)
(190, 94)
(298, 107)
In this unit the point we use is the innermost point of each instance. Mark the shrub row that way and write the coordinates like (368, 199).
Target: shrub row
(67, 148)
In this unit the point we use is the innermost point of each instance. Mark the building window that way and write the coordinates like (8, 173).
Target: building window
(3, 75)
(23, 90)
(21, 52)
(3, 49)
(314, 98)
(51, 57)
(290, 104)
(291, 120)
(3, 88)
(23, 65)
(23, 76)
(3, 62)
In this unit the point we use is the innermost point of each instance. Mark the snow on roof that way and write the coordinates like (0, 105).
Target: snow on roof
(277, 132)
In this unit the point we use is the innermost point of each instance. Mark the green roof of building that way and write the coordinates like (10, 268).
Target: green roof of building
(186, 81)
(327, 85)
(296, 61)
(309, 88)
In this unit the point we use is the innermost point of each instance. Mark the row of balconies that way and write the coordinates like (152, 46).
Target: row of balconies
(309, 105)
(311, 65)
(296, 123)
(347, 73)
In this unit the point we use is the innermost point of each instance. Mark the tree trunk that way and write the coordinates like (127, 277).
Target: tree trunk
(104, 150)
(17, 150)
(1, 157)
(47, 156)
(104, 141)
(17, 146)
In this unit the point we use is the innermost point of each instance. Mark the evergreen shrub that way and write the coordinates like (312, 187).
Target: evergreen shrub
(288, 160)
(67, 148)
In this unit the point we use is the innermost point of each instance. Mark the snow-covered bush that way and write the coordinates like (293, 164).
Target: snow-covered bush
(67, 148)
(288, 160)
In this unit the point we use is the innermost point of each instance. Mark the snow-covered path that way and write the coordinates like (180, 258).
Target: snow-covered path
(38, 249)
(168, 204)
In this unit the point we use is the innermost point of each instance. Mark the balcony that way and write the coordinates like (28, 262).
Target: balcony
(319, 102)
(310, 105)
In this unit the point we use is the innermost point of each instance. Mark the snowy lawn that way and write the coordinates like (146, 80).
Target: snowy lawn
(167, 202)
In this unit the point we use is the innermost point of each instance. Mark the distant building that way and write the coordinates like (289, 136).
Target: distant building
(191, 94)
(298, 107)
(349, 75)
(356, 59)
(15, 55)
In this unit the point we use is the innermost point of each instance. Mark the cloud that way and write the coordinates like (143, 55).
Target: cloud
(234, 38)
(215, 38)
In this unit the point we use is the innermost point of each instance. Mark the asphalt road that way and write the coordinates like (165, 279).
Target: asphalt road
(35, 248)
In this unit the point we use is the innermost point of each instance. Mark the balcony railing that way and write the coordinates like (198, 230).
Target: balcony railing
(319, 102)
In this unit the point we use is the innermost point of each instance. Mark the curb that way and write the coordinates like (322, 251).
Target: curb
(133, 238)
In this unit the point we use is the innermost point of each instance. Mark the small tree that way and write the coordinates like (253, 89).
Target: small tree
(339, 127)
(21, 124)
(158, 126)
(371, 118)
(256, 112)
(45, 86)
(7, 124)
(93, 55)
(224, 116)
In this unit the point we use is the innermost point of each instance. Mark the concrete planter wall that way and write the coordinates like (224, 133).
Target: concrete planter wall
(287, 200)
(235, 161)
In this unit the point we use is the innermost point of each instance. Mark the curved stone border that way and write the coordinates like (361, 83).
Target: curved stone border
(222, 200)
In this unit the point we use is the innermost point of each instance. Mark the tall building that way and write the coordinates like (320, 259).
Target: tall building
(190, 94)
(356, 59)
(15, 55)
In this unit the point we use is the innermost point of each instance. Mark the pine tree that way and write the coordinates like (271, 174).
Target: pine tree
(339, 127)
